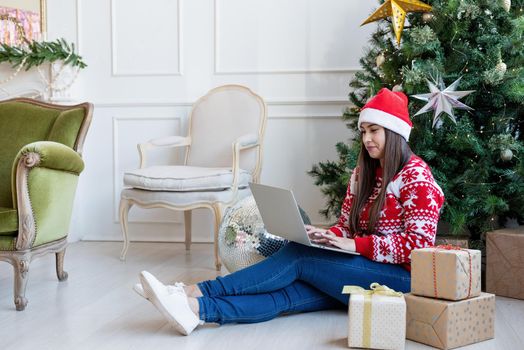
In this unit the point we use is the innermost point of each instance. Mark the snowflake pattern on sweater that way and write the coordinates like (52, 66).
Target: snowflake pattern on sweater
(408, 219)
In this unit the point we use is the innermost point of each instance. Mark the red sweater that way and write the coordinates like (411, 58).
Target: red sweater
(408, 219)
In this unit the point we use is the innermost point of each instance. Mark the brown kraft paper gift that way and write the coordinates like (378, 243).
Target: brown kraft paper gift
(449, 324)
(505, 262)
(445, 272)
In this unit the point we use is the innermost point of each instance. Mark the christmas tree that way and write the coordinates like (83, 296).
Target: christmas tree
(477, 153)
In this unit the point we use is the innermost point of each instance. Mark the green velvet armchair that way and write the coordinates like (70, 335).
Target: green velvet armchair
(40, 161)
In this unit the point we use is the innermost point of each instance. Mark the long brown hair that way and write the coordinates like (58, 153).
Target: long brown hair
(396, 154)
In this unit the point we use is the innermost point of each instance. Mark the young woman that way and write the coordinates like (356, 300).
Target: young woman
(392, 207)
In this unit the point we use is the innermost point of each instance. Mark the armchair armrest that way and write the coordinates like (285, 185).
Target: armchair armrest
(45, 175)
(247, 141)
(169, 141)
(51, 155)
(163, 142)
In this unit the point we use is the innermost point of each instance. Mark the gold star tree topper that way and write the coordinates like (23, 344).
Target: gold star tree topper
(397, 10)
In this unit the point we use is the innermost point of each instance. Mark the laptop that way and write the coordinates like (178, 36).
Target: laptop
(281, 216)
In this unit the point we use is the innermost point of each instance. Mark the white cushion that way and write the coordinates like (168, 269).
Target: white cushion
(181, 199)
(179, 178)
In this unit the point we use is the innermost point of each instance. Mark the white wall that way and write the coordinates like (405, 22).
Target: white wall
(150, 60)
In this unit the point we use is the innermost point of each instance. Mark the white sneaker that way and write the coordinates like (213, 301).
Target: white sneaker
(174, 307)
(178, 286)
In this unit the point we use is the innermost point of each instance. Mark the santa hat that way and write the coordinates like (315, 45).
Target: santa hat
(388, 109)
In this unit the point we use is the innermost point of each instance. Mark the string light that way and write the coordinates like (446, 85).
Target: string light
(487, 183)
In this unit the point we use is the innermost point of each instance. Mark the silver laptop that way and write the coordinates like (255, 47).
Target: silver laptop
(281, 216)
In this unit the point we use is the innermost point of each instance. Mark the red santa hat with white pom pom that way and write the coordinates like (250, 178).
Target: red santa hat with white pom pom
(388, 109)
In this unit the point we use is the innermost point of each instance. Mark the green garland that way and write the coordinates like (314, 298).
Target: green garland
(37, 53)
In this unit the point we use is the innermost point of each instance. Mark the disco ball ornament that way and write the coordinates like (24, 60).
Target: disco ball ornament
(242, 238)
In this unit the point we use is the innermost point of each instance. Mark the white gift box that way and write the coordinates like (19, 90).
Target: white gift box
(377, 318)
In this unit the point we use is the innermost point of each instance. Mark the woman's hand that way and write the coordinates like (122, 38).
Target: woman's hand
(322, 236)
(340, 242)
(316, 234)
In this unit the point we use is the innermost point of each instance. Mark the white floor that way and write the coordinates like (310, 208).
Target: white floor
(96, 309)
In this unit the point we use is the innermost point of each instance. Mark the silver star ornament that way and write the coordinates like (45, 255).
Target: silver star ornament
(443, 99)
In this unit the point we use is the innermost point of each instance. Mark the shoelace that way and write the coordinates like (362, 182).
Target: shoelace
(177, 287)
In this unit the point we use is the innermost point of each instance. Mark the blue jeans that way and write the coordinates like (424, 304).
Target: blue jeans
(295, 279)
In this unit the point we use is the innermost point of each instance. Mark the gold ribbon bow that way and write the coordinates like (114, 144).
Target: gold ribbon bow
(368, 293)
(375, 289)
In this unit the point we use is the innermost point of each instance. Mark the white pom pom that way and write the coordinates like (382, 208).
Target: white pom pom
(397, 88)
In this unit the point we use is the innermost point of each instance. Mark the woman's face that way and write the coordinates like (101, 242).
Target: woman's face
(374, 139)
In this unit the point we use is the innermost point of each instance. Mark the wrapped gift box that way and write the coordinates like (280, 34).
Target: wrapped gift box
(445, 272)
(505, 262)
(449, 324)
(377, 321)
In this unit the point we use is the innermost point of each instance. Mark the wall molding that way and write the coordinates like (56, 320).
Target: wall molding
(330, 101)
(220, 71)
(134, 104)
(114, 68)
(304, 117)
(117, 180)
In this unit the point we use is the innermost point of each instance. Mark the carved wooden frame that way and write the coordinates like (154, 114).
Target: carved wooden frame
(24, 253)
(21, 259)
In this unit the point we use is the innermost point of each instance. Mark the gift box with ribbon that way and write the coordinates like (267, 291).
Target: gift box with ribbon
(449, 324)
(445, 272)
(377, 317)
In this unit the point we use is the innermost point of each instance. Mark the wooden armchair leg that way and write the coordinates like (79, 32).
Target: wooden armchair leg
(187, 228)
(217, 211)
(21, 269)
(60, 273)
(125, 206)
